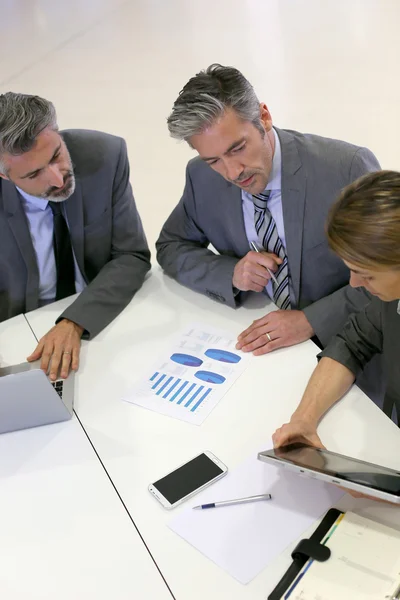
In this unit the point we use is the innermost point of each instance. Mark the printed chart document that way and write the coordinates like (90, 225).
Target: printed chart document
(190, 380)
(245, 538)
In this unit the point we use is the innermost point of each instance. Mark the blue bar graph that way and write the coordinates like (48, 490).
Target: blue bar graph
(179, 391)
(153, 387)
(204, 396)
(173, 386)
(162, 388)
(197, 392)
(182, 392)
(181, 399)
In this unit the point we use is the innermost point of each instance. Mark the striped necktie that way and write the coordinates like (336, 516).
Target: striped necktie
(269, 239)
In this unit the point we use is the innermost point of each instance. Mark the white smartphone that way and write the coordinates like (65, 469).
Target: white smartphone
(357, 475)
(188, 479)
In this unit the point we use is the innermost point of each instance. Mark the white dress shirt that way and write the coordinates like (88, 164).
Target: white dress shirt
(274, 205)
(41, 227)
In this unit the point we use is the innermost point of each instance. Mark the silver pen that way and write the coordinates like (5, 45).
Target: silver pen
(396, 594)
(254, 247)
(233, 502)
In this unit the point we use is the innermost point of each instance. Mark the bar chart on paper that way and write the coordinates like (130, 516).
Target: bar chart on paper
(175, 389)
(190, 381)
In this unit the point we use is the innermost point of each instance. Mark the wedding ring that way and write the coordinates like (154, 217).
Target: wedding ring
(269, 337)
(66, 352)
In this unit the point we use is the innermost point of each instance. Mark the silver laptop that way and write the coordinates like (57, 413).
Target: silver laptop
(29, 399)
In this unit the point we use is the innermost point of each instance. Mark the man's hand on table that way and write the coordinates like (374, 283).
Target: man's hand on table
(278, 329)
(59, 349)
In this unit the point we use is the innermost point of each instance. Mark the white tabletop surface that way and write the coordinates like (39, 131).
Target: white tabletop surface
(16, 341)
(64, 532)
(137, 446)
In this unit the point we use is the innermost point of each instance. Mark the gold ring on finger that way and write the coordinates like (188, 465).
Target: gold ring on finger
(269, 337)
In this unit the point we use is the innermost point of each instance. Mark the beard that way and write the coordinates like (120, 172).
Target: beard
(55, 194)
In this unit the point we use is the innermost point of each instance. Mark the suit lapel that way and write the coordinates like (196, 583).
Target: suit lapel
(293, 204)
(231, 198)
(20, 228)
(73, 210)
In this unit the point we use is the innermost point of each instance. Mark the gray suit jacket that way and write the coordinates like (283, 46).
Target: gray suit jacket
(374, 330)
(314, 170)
(106, 234)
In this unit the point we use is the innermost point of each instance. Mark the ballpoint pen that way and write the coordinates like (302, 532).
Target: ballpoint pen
(254, 247)
(396, 594)
(233, 502)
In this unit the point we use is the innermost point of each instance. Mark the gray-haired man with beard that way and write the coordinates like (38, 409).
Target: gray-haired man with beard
(68, 223)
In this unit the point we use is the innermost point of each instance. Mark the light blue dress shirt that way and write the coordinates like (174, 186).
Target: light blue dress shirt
(40, 221)
(274, 206)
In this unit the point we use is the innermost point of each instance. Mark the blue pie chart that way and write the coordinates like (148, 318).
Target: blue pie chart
(209, 377)
(223, 356)
(187, 360)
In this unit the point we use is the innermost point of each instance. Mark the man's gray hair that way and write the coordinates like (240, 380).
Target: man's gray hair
(22, 119)
(205, 98)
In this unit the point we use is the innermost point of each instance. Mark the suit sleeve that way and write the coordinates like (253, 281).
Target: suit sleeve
(182, 251)
(360, 339)
(117, 282)
(328, 315)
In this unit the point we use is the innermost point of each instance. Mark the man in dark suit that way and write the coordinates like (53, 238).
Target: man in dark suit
(256, 183)
(68, 223)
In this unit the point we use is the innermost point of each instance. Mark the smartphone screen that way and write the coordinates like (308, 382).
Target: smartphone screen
(188, 478)
(343, 467)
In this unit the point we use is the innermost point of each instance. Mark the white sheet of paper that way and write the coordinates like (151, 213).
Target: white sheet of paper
(192, 378)
(244, 539)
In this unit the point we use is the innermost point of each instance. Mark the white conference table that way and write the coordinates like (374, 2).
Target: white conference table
(64, 531)
(137, 446)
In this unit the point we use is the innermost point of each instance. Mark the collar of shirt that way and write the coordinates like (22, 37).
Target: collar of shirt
(398, 308)
(275, 177)
(39, 203)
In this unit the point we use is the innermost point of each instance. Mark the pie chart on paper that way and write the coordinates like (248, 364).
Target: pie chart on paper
(223, 356)
(187, 360)
(209, 377)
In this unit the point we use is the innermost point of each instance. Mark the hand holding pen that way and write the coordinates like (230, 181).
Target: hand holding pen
(253, 271)
(256, 249)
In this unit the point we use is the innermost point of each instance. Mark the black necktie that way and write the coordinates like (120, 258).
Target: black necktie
(63, 254)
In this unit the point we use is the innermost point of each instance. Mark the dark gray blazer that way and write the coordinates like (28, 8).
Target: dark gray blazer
(106, 234)
(314, 170)
(373, 330)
